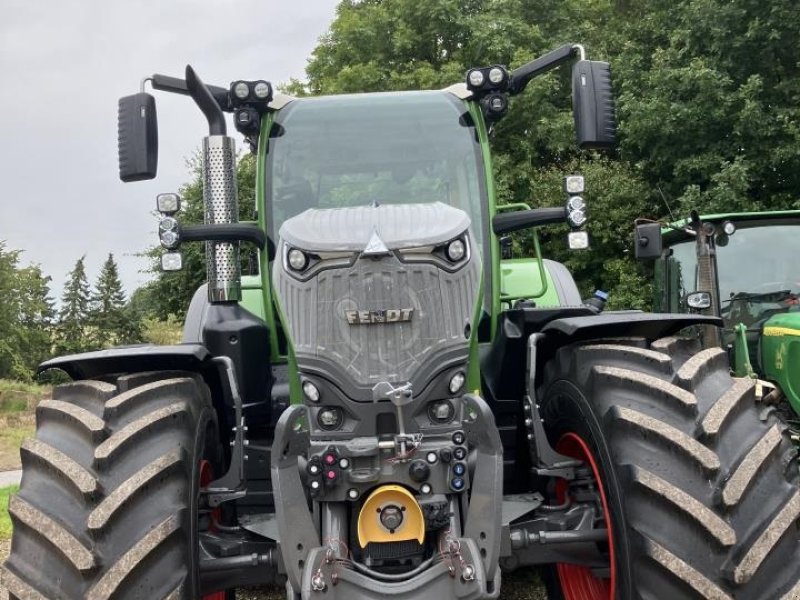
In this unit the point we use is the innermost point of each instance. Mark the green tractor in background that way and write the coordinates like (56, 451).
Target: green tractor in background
(744, 268)
(391, 406)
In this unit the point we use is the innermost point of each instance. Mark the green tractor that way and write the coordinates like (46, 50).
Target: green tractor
(389, 408)
(743, 268)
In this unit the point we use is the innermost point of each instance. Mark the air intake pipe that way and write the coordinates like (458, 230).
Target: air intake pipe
(220, 195)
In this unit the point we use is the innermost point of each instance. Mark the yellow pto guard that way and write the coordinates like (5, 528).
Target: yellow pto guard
(390, 514)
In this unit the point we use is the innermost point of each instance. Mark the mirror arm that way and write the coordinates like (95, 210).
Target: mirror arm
(174, 85)
(525, 219)
(522, 75)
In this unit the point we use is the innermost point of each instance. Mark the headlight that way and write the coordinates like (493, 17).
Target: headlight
(456, 382)
(456, 250)
(729, 227)
(576, 203)
(698, 300)
(168, 224)
(170, 239)
(442, 411)
(297, 259)
(330, 418)
(576, 217)
(311, 391)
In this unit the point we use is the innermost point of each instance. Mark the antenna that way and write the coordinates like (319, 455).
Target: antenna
(666, 203)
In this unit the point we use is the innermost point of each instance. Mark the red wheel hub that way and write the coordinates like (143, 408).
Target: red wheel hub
(206, 477)
(578, 582)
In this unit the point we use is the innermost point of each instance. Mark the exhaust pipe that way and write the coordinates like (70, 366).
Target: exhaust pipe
(221, 203)
(220, 195)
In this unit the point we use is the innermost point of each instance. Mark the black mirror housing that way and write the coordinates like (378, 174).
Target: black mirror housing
(593, 104)
(137, 137)
(647, 241)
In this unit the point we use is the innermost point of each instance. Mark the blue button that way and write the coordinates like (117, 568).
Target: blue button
(459, 469)
(457, 483)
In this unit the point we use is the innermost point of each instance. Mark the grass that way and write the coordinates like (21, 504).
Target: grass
(13, 429)
(18, 402)
(5, 520)
(9, 385)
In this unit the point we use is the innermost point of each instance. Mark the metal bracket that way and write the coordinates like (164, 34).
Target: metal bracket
(546, 461)
(232, 485)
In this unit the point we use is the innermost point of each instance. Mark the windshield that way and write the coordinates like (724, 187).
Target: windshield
(759, 273)
(409, 147)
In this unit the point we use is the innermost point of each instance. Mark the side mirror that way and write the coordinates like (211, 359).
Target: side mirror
(137, 137)
(593, 104)
(647, 241)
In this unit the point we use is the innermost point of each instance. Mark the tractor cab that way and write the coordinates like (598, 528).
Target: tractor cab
(754, 285)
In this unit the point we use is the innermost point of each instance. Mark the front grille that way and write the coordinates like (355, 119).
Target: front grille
(316, 313)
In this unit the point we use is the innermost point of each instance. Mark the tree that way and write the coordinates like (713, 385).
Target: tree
(110, 323)
(73, 317)
(26, 315)
(708, 104)
(36, 316)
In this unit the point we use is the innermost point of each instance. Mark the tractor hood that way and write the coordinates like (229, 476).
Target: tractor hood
(387, 227)
(377, 298)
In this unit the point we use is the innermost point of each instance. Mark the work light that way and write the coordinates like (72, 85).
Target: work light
(171, 261)
(241, 90)
(497, 75)
(578, 240)
(574, 184)
(261, 90)
(168, 204)
(476, 78)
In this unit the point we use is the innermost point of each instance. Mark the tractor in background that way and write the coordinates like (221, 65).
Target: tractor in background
(742, 267)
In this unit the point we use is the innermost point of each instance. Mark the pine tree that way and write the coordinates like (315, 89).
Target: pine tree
(74, 313)
(36, 316)
(107, 307)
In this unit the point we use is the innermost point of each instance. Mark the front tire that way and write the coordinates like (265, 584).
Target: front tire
(108, 501)
(701, 482)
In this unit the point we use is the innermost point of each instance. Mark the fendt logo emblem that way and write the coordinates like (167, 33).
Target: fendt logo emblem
(373, 317)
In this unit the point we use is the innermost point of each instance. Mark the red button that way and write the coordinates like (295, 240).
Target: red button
(331, 474)
(330, 459)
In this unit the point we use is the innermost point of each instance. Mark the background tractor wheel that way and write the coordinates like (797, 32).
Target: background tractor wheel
(107, 507)
(699, 482)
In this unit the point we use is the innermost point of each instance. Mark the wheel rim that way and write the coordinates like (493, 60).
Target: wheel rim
(578, 582)
(206, 477)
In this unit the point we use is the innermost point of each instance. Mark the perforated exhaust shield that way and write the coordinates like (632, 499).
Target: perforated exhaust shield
(221, 206)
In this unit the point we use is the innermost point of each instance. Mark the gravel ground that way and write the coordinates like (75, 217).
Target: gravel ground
(522, 585)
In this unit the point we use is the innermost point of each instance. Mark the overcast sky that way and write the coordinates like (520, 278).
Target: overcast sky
(63, 66)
